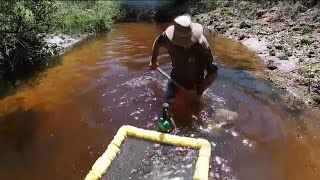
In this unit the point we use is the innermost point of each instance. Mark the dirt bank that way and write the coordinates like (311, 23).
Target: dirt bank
(57, 44)
(285, 36)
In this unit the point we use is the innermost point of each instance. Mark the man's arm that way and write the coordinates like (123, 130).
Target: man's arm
(212, 73)
(155, 51)
(210, 67)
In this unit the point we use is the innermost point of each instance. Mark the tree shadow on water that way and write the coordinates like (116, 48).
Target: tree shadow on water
(17, 133)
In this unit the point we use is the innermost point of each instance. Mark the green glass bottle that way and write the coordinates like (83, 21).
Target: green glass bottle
(164, 124)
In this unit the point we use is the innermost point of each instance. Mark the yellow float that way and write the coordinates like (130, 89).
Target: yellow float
(102, 164)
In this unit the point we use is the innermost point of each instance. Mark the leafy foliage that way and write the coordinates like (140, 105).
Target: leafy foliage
(88, 16)
(22, 23)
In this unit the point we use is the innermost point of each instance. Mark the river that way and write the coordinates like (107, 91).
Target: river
(60, 122)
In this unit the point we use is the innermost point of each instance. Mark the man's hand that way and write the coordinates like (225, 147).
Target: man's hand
(200, 90)
(210, 78)
(155, 52)
(153, 66)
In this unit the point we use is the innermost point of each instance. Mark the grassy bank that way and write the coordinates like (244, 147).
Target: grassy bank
(26, 24)
(87, 16)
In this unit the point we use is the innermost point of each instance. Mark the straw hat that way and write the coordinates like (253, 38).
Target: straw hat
(184, 32)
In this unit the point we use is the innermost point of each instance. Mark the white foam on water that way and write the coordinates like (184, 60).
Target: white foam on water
(137, 112)
(213, 144)
(248, 143)
(112, 92)
(223, 162)
(108, 108)
(217, 159)
(101, 79)
(145, 94)
(150, 124)
(235, 134)
(210, 95)
(223, 167)
(161, 169)
(139, 81)
(121, 104)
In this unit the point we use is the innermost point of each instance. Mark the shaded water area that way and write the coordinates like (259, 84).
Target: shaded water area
(59, 123)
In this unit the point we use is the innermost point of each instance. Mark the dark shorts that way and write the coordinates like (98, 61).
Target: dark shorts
(185, 106)
(172, 89)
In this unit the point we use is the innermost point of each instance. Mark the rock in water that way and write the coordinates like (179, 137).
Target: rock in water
(223, 119)
(216, 130)
(225, 115)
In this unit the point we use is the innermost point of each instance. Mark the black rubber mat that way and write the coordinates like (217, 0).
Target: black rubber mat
(142, 159)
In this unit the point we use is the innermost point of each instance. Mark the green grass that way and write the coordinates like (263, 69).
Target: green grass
(305, 41)
(87, 16)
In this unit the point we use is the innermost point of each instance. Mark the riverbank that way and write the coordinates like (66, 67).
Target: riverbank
(58, 44)
(285, 37)
(26, 48)
(55, 45)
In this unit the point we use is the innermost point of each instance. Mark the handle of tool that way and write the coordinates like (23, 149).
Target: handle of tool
(173, 123)
(165, 74)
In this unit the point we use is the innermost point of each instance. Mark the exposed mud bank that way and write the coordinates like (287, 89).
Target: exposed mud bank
(287, 40)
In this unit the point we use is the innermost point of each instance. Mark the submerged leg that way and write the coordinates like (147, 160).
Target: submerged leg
(171, 93)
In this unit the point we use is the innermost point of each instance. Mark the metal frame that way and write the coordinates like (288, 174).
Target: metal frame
(102, 164)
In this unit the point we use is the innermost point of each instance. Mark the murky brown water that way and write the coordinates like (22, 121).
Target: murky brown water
(58, 125)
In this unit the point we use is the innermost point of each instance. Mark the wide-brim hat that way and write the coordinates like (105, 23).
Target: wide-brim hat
(184, 32)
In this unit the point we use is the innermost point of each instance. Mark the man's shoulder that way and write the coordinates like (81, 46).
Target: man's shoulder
(203, 42)
(162, 37)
